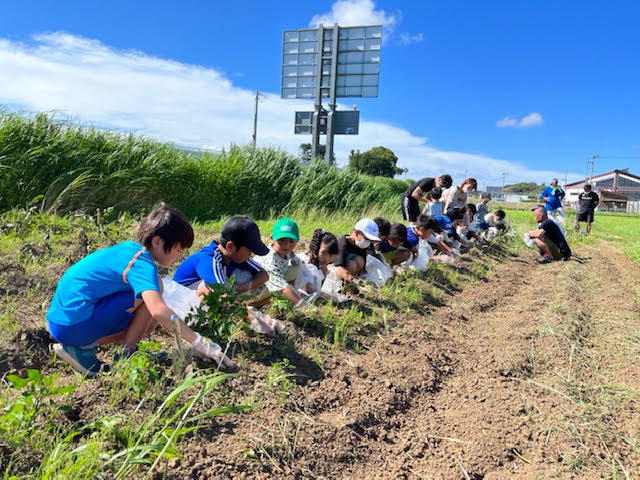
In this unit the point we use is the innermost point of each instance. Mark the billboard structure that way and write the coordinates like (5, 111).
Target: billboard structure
(329, 63)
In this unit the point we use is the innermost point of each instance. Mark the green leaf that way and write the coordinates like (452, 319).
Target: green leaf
(34, 375)
(18, 382)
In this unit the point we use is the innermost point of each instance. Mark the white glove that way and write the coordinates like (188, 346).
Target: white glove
(263, 323)
(207, 349)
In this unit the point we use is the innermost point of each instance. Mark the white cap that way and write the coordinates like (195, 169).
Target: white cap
(369, 229)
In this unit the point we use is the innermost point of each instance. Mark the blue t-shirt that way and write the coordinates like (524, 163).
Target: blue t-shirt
(435, 208)
(445, 223)
(412, 238)
(481, 210)
(555, 197)
(124, 267)
(208, 265)
(385, 247)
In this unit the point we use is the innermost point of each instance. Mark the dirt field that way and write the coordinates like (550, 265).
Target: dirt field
(529, 373)
(519, 376)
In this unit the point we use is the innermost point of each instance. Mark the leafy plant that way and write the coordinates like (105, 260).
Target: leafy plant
(221, 315)
(141, 367)
(18, 419)
(279, 377)
(280, 305)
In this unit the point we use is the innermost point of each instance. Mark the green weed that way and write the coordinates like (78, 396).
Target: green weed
(279, 378)
(224, 316)
(37, 394)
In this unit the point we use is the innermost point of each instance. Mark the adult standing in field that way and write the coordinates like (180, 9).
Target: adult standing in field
(419, 192)
(553, 196)
(587, 203)
(549, 237)
(456, 197)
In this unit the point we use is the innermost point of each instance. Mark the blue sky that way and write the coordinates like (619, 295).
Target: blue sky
(530, 88)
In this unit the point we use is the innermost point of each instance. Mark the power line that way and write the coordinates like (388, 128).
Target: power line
(272, 99)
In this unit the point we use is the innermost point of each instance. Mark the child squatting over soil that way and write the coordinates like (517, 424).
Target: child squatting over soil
(114, 296)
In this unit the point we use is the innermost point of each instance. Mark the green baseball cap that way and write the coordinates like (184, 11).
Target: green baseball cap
(285, 228)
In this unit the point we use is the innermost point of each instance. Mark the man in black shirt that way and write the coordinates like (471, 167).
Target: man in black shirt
(419, 191)
(587, 203)
(549, 238)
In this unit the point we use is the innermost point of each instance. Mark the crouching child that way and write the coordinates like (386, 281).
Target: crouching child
(281, 263)
(229, 257)
(114, 295)
(351, 260)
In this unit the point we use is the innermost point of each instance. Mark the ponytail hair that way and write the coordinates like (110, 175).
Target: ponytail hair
(319, 238)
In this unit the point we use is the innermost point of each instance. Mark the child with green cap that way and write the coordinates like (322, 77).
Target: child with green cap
(281, 263)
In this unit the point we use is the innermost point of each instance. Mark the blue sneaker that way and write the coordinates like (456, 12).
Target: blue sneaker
(82, 360)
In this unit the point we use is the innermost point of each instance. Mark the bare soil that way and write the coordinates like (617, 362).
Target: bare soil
(472, 390)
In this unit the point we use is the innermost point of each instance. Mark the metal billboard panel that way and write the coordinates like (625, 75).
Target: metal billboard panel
(358, 62)
(346, 122)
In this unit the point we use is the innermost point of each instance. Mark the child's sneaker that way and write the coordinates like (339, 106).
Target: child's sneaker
(82, 360)
(545, 259)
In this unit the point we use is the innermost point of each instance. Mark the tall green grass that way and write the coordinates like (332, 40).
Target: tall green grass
(62, 167)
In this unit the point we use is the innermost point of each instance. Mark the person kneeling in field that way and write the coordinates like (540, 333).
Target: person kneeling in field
(217, 262)
(351, 259)
(390, 248)
(434, 205)
(281, 263)
(426, 229)
(114, 296)
(549, 237)
(394, 248)
(323, 248)
(448, 223)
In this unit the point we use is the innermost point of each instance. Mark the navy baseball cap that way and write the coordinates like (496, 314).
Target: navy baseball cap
(244, 232)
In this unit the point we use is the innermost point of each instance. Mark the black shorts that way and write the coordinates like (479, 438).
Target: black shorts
(586, 216)
(410, 208)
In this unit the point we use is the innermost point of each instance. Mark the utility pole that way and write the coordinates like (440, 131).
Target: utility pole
(255, 119)
(592, 161)
(328, 153)
(504, 178)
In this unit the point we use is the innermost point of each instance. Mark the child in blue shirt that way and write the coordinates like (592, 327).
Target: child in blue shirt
(114, 296)
(434, 206)
(218, 261)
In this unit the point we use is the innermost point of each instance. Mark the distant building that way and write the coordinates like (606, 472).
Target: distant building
(616, 188)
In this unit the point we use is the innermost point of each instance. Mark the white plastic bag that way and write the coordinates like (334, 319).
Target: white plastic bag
(421, 261)
(309, 279)
(332, 284)
(528, 240)
(180, 299)
(377, 272)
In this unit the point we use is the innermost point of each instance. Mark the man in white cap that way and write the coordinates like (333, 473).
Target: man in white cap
(351, 259)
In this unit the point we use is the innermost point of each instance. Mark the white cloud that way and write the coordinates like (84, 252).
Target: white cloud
(408, 39)
(507, 122)
(192, 105)
(533, 119)
(350, 13)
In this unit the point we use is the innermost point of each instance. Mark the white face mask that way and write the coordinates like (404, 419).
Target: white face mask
(364, 243)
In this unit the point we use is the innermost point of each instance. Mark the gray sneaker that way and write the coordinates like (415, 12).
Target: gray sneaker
(82, 360)
(545, 259)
